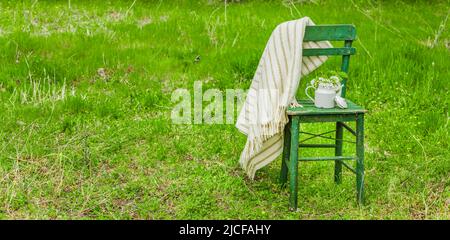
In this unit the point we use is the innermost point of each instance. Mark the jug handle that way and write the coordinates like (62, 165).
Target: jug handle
(338, 90)
(306, 92)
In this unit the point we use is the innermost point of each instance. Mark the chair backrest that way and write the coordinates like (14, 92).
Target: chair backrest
(337, 32)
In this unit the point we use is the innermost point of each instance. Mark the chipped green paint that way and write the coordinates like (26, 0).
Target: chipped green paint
(329, 51)
(339, 158)
(338, 152)
(293, 163)
(285, 158)
(335, 32)
(360, 160)
(309, 109)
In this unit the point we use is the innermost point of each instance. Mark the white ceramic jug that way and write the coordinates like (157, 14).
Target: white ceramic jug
(324, 94)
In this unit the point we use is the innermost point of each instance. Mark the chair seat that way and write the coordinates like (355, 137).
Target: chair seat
(309, 109)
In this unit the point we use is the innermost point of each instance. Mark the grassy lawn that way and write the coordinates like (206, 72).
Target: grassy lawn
(85, 104)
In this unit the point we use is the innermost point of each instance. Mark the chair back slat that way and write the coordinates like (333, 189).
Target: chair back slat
(337, 32)
(329, 51)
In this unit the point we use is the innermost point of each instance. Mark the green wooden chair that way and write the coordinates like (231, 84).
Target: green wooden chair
(310, 114)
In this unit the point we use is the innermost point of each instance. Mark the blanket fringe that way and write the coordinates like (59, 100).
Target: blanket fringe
(268, 130)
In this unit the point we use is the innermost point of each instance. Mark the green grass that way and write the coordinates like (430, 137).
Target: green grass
(85, 110)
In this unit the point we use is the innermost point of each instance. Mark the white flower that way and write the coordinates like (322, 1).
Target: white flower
(334, 78)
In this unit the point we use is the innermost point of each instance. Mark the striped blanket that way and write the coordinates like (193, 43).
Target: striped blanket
(263, 115)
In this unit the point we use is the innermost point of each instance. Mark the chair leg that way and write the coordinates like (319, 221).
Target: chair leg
(285, 158)
(360, 159)
(338, 152)
(293, 163)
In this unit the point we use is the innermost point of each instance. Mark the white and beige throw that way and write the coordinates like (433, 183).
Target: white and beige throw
(263, 115)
